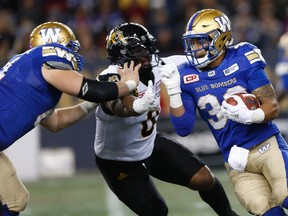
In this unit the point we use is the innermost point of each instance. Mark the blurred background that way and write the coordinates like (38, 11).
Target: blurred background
(260, 22)
(42, 154)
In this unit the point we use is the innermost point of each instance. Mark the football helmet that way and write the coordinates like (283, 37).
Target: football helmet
(132, 41)
(208, 34)
(54, 32)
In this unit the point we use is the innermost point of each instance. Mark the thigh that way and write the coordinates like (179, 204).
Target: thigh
(252, 190)
(131, 183)
(172, 162)
(270, 158)
(12, 191)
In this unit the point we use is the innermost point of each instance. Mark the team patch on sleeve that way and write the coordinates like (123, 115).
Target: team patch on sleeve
(254, 56)
(60, 58)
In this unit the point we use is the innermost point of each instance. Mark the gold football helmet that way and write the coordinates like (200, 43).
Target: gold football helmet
(54, 32)
(211, 31)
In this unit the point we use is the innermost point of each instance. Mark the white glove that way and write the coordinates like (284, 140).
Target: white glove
(240, 113)
(88, 107)
(171, 78)
(148, 102)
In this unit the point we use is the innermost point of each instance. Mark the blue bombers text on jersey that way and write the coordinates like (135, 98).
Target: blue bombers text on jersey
(242, 70)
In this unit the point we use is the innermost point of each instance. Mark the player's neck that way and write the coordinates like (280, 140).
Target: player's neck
(215, 63)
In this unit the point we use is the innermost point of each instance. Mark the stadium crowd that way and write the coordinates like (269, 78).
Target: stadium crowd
(260, 22)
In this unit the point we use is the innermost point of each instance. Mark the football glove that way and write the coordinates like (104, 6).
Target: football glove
(240, 113)
(170, 77)
(88, 107)
(148, 102)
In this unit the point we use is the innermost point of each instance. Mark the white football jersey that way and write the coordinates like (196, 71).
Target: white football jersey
(129, 138)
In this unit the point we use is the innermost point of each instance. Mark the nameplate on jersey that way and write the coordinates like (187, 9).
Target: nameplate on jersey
(57, 51)
(190, 78)
(232, 69)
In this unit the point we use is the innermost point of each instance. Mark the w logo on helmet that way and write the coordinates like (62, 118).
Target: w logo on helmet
(224, 23)
(51, 35)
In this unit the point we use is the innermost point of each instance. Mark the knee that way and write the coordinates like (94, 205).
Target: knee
(257, 206)
(21, 202)
(203, 180)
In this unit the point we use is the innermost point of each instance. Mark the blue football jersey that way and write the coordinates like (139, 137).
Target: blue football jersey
(242, 70)
(25, 97)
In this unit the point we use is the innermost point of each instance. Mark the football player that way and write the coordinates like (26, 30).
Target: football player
(254, 151)
(31, 86)
(281, 68)
(127, 145)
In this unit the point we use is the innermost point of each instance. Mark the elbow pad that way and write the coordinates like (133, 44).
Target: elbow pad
(97, 91)
(183, 124)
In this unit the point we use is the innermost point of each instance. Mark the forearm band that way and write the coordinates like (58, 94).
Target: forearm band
(97, 91)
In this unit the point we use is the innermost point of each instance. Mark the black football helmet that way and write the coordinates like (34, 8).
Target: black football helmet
(132, 41)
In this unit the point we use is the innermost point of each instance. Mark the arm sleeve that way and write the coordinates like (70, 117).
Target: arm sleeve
(257, 79)
(185, 123)
(97, 91)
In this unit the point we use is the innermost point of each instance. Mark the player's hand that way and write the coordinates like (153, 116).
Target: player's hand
(148, 102)
(240, 113)
(88, 107)
(129, 74)
(171, 78)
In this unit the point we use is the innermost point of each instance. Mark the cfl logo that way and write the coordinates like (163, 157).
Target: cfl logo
(191, 78)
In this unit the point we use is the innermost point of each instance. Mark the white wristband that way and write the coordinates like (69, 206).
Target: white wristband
(131, 85)
(258, 116)
(175, 101)
(138, 106)
(87, 106)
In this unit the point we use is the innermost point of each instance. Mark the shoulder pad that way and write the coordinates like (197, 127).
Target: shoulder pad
(60, 57)
(252, 54)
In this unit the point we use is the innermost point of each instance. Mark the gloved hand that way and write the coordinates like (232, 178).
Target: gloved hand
(148, 102)
(240, 113)
(88, 107)
(171, 78)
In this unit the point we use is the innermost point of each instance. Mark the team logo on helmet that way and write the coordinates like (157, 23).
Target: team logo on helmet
(51, 35)
(115, 37)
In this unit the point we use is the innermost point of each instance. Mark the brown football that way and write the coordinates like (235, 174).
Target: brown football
(249, 100)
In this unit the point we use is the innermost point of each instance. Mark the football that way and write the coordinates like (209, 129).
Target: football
(249, 100)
